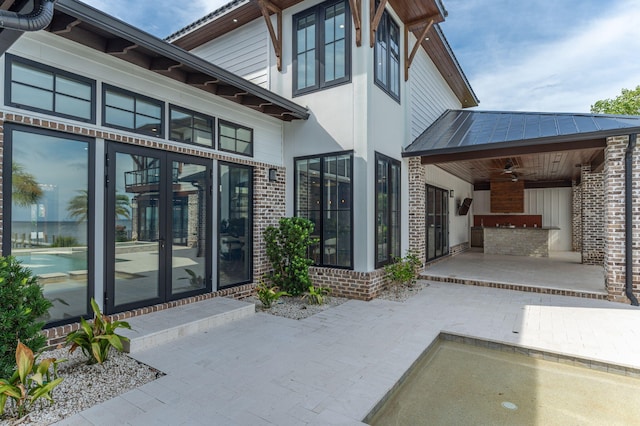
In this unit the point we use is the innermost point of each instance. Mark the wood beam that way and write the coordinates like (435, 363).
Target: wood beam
(276, 34)
(376, 16)
(119, 46)
(229, 91)
(199, 79)
(408, 59)
(356, 14)
(164, 64)
(63, 24)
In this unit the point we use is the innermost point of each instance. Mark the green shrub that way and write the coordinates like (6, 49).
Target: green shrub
(403, 270)
(22, 305)
(269, 294)
(65, 241)
(97, 339)
(287, 251)
(316, 295)
(31, 381)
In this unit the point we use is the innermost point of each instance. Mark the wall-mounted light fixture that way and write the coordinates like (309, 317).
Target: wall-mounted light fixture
(273, 175)
(451, 194)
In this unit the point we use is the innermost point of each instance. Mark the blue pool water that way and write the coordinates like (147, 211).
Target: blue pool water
(40, 263)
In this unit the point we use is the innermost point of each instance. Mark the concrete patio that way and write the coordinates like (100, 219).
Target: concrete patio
(560, 273)
(332, 368)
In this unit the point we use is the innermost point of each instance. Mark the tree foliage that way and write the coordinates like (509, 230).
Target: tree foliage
(25, 189)
(627, 103)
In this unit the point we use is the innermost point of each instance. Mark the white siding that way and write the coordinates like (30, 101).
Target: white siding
(70, 56)
(554, 204)
(459, 226)
(430, 94)
(244, 52)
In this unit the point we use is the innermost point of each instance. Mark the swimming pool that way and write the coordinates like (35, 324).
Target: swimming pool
(46, 263)
(493, 384)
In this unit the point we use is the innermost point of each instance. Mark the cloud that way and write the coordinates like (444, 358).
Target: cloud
(558, 69)
(160, 17)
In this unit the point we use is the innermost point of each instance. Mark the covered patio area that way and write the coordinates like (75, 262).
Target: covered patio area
(561, 273)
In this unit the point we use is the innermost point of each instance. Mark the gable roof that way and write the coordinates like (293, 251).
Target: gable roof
(93, 28)
(458, 132)
(414, 14)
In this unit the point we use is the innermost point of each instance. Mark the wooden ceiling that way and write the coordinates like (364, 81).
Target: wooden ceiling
(545, 169)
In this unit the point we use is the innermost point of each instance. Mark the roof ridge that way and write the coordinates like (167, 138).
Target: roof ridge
(204, 20)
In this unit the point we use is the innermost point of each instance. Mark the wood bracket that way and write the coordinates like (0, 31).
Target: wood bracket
(356, 14)
(376, 16)
(266, 7)
(408, 58)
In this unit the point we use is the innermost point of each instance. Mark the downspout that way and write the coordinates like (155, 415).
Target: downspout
(628, 218)
(39, 18)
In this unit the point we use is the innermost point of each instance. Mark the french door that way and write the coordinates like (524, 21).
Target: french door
(158, 227)
(437, 222)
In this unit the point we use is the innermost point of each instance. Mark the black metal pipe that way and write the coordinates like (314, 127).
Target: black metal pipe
(628, 218)
(36, 20)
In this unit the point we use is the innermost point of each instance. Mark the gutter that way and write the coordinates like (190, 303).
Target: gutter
(628, 213)
(38, 19)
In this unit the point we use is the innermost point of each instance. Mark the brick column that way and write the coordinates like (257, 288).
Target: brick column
(576, 217)
(592, 216)
(268, 208)
(615, 241)
(417, 221)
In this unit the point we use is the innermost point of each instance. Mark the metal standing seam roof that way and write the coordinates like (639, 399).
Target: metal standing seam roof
(457, 131)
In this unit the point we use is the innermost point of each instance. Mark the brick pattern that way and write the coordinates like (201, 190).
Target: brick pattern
(576, 217)
(614, 195)
(592, 216)
(459, 248)
(417, 208)
(350, 284)
(516, 241)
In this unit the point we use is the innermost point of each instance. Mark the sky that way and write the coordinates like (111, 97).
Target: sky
(518, 55)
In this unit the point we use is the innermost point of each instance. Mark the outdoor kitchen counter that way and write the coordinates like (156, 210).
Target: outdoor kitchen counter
(517, 241)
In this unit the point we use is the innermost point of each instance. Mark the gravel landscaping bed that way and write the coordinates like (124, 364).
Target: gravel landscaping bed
(84, 385)
(403, 293)
(295, 307)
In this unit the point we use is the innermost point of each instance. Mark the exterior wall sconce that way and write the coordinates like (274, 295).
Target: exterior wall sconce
(273, 175)
(451, 194)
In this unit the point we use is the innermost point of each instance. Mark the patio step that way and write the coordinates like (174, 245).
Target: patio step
(601, 295)
(157, 328)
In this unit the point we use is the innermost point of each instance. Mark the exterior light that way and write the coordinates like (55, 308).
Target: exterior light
(273, 175)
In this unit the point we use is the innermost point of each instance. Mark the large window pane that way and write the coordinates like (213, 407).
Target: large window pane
(323, 195)
(50, 213)
(235, 224)
(387, 56)
(131, 111)
(235, 138)
(387, 209)
(31, 96)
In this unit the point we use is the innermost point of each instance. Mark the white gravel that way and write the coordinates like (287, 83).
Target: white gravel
(295, 307)
(402, 293)
(84, 385)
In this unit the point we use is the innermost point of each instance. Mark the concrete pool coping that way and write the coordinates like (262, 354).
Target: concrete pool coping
(334, 367)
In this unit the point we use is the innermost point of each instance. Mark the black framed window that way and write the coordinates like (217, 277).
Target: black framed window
(387, 209)
(189, 126)
(323, 194)
(387, 56)
(235, 224)
(437, 226)
(322, 47)
(131, 111)
(37, 87)
(235, 138)
(48, 214)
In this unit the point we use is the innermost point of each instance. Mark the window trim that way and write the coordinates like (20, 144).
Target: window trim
(386, 85)
(390, 162)
(110, 88)
(192, 113)
(11, 59)
(320, 84)
(222, 122)
(9, 130)
(251, 220)
(322, 157)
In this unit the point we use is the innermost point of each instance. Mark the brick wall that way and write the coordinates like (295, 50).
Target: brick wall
(615, 240)
(592, 216)
(347, 283)
(417, 212)
(576, 217)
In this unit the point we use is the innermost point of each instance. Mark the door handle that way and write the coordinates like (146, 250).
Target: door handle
(161, 242)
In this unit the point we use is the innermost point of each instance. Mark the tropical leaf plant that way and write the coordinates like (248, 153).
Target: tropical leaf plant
(268, 294)
(96, 339)
(315, 295)
(31, 381)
